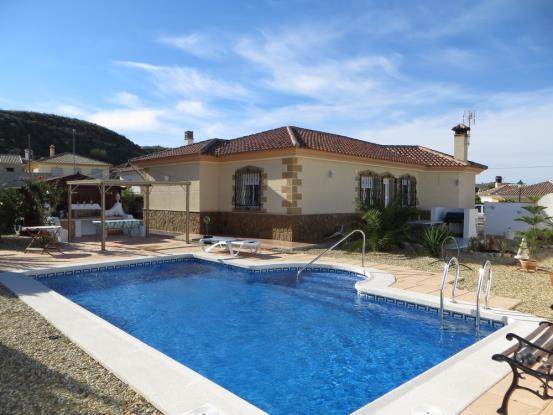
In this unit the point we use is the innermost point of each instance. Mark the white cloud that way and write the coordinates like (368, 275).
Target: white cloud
(511, 135)
(194, 108)
(189, 82)
(126, 99)
(70, 110)
(195, 44)
(142, 119)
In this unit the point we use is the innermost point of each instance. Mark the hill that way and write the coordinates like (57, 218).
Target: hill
(91, 140)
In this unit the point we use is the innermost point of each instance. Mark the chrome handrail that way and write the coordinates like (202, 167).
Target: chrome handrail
(452, 261)
(486, 266)
(334, 246)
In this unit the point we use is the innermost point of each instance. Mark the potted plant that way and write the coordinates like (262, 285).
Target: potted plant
(532, 238)
(207, 221)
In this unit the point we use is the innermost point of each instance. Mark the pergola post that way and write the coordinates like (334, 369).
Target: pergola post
(69, 211)
(103, 215)
(147, 210)
(188, 213)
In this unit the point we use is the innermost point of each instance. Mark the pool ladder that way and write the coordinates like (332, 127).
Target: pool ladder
(485, 272)
(334, 246)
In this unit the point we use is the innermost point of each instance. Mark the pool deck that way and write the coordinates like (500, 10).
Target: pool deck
(274, 252)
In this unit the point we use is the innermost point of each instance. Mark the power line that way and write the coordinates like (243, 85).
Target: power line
(521, 167)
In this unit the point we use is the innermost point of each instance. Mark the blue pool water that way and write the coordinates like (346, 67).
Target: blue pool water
(313, 347)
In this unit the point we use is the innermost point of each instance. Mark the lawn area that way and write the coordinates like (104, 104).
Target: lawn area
(534, 289)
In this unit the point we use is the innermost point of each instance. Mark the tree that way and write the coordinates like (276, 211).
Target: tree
(536, 219)
(11, 204)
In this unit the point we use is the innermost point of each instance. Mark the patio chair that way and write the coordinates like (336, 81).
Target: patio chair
(215, 242)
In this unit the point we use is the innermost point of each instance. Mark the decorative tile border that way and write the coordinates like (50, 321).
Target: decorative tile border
(263, 272)
(434, 310)
(93, 269)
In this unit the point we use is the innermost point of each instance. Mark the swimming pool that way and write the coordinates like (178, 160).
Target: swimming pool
(312, 346)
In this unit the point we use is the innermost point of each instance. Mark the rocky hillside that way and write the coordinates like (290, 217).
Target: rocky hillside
(45, 129)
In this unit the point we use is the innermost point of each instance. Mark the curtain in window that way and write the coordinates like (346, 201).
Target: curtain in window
(247, 189)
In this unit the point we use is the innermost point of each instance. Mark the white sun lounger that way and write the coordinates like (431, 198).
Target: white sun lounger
(234, 246)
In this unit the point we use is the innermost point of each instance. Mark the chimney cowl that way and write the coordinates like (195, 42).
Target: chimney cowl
(460, 129)
(188, 137)
(498, 181)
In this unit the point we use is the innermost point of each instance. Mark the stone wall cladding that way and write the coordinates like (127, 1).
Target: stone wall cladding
(174, 221)
(299, 228)
(291, 190)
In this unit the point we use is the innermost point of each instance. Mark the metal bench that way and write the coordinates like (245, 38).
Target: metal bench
(532, 356)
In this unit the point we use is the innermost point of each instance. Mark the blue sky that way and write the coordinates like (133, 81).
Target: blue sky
(397, 72)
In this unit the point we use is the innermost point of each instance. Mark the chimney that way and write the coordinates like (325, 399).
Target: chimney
(52, 150)
(498, 181)
(461, 141)
(28, 154)
(188, 137)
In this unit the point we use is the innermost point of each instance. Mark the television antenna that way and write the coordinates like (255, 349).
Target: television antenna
(469, 119)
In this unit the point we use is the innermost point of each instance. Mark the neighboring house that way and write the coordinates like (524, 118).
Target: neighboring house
(12, 170)
(126, 171)
(67, 163)
(297, 184)
(512, 192)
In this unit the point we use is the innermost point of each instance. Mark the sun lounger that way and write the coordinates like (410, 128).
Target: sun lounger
(234, 246)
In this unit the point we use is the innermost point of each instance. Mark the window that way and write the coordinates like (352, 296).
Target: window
(408, 191)
(56, 171)
(247, 188)
(370, 189)
(10, 169)
(98, 173)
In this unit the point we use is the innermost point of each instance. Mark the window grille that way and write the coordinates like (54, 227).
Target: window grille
(370, 190)
(247, 189)
(408, 191)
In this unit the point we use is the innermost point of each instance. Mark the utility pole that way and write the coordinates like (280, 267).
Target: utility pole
(30, 152)
(74, 162)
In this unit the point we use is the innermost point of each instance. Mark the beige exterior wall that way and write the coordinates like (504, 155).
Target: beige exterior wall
(273, 167)
(64, 169)
(209, 179)
(328, 186)
(446, 189)
(174, 197)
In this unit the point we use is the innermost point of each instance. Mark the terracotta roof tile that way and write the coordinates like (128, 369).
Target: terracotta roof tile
(289, 137)
(201, 147)
(511, 190)
(67, 158)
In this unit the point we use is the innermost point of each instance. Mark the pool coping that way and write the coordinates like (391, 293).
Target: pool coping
(442, 389)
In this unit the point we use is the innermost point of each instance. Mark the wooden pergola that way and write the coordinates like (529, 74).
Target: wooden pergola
(104, 185)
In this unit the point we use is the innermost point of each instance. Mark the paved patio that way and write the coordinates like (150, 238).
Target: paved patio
(88, 251)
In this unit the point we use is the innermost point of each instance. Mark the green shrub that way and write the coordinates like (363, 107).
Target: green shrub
(433, 238)
(132, 203)
(11, 202)
(386, 227)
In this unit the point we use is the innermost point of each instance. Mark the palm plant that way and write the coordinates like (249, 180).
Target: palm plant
(433, 238)
(386, 227)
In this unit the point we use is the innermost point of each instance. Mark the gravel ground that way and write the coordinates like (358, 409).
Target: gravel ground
(42, 372)
(534, 289)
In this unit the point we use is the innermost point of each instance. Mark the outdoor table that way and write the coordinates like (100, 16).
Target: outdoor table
(47, 235)
(125, 225)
